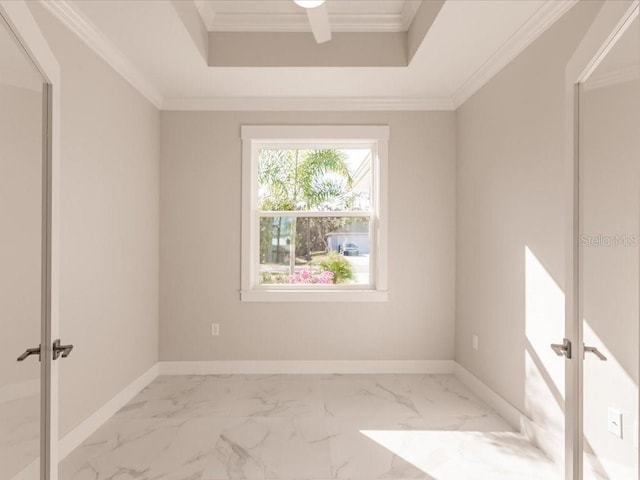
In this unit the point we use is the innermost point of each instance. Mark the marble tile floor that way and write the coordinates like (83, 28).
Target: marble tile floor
(306, 427)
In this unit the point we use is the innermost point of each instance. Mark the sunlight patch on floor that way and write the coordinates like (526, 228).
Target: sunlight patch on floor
(465, 455)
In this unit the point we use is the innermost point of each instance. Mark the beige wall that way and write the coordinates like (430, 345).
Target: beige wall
(109, 227)
(610, 169)
(200, 249)
(511, 226)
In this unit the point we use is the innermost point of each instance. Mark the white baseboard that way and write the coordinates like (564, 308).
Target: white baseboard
(511, 414)
(307, 367)
(75, 437)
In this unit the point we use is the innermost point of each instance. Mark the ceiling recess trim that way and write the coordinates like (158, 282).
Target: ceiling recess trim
(101, 45)
(408, 13)
(298, 104)
(298, 22)
(537, 24)
(226, 22)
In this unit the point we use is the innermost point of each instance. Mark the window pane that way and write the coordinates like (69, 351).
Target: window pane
(314, 180)
(324, 250)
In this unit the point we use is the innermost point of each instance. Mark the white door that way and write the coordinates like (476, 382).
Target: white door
(603, 100)
(26, 386)
(609, 164)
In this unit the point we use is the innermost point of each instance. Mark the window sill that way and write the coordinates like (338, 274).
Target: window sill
(314, 296)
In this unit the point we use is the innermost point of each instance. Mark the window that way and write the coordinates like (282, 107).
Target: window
(314, 213)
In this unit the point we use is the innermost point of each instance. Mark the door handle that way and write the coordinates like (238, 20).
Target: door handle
(562, 349)
(61, 350)
(28, 352)
(596, 352)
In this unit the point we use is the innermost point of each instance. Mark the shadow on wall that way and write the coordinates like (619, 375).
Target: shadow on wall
(544, 383)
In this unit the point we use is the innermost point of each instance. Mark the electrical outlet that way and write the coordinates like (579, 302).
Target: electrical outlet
(215, 329)
(474, 341)
(614, 422)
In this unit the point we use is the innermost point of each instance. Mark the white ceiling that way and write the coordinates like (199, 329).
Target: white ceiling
(468, 43)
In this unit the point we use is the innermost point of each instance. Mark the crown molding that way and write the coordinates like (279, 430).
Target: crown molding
(621, 75)
(334, 104)
(101, 45)
(537, 24)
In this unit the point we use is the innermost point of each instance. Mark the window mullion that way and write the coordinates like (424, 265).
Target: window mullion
(314, 214)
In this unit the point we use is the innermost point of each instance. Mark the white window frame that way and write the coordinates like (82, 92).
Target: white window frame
(255, 137)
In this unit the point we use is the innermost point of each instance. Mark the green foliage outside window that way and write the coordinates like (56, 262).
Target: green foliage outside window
(338, 265)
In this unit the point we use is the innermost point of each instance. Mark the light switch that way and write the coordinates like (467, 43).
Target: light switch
(614, 419)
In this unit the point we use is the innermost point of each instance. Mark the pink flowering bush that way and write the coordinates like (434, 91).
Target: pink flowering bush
(307, 275)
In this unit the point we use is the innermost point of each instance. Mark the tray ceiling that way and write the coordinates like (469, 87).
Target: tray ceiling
(161, 47)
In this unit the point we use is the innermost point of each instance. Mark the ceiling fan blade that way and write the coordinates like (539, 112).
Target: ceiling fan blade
(319, 21)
